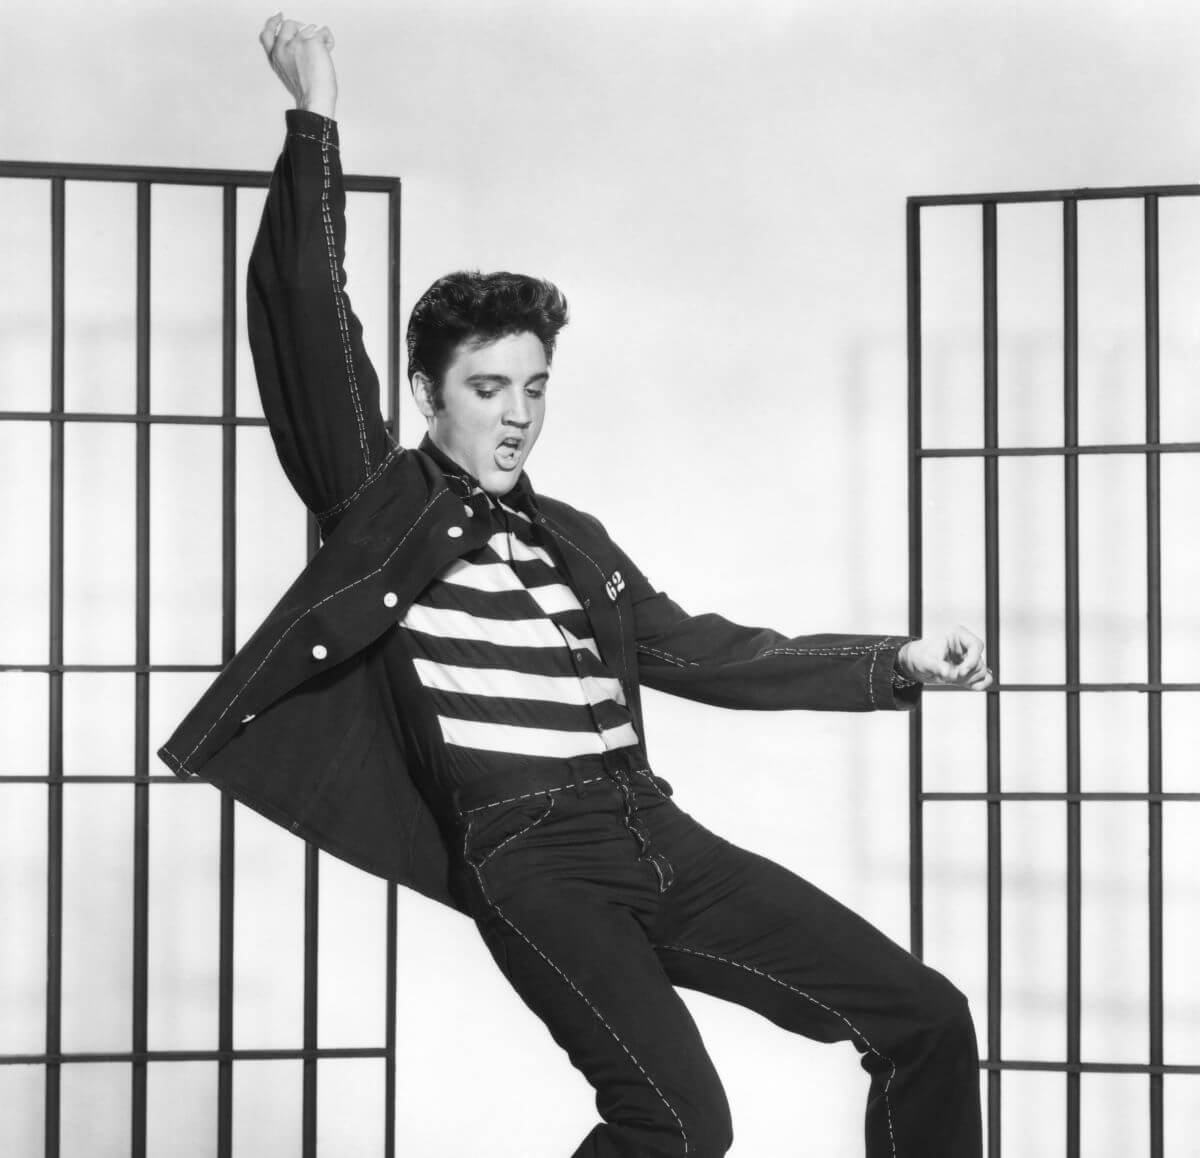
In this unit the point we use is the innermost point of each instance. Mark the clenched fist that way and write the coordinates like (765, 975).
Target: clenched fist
(300, 55)
(956, 658)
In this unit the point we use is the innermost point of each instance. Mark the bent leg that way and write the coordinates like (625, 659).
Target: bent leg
(743, 928)
(578, 955)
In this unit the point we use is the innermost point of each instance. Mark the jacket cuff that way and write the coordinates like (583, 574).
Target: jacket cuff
(312, 127)
(891, 691)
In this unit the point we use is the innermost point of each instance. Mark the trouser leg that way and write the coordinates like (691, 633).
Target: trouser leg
(741, 927)
(562, 904)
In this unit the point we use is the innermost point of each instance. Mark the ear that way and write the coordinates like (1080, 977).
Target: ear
(422, 390)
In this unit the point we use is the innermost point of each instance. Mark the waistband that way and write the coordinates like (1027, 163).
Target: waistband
(507, 787)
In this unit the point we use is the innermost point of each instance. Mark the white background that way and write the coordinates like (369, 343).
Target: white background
(719, 188)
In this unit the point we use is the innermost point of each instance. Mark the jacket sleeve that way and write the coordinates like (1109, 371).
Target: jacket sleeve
(319, 391)
(708, 658)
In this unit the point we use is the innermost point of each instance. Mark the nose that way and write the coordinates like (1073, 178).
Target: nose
(518, 412)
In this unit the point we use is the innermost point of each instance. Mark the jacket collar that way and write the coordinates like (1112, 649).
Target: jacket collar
(462, 482)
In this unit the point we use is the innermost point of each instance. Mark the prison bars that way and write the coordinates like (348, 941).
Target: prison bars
(139, 1055)
(1154, 687)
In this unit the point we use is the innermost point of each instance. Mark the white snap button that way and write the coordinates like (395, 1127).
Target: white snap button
(390, 599)
(469, 509)
(455, 532)
(320, 651)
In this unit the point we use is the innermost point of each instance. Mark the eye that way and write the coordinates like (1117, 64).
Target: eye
(480, 392)
(535, 391)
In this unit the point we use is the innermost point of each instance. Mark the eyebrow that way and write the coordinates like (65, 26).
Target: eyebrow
(505, 380)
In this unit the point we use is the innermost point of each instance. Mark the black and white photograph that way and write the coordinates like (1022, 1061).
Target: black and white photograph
(600, 579)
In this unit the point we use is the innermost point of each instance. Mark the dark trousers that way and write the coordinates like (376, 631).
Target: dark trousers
(597, 900)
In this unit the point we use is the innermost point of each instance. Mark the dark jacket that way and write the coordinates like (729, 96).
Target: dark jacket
(304, 724)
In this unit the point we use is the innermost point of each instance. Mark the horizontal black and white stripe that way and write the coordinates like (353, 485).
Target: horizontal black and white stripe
(503, 648)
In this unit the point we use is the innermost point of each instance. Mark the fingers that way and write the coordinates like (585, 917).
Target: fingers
(322, 33)
(971, 671)
(278, 29)
(279, 32)
(967, 648)
(959, 659)
(269, 31)
(286, 33)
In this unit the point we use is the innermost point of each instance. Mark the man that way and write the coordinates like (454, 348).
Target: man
(449, 696)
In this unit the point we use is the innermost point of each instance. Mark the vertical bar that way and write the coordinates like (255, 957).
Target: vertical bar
(389, 1096)
(1071, 528)
(312, 906)
(389, 1093)
(1154, 676)
(916, 862)
(228, 646)
(141, 837)
(393, 414)
(992, 615)
(54, 811)
(311, 910)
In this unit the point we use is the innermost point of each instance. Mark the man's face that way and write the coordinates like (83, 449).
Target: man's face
(493, 403)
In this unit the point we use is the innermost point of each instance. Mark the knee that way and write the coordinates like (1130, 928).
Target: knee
(684, 1116)
(944, 1012)
(710, 1135)
(707, 1122)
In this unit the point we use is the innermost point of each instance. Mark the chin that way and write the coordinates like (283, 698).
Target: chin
(499, 482)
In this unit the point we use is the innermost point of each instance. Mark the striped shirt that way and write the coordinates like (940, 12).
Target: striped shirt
(503, 647)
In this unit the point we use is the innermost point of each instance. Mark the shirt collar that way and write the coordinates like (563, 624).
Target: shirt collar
(522, 495)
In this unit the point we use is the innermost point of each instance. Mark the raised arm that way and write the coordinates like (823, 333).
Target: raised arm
(319, 391)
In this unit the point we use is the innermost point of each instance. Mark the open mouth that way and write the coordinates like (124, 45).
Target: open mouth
(508, 452)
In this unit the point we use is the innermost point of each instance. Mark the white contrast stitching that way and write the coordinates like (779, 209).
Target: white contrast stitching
(652, 780)
(509, 839)
(679, 661)
(527, 795)
(287, 630)
(808, 997)
(177, 761)
(340, 302)
(315, 140)
(863, 650)
(391, 456)
(579, 993)
(871, 678)
(466, 841)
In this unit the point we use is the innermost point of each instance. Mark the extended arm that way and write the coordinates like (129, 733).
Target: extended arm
(320, 392)
(708, 658)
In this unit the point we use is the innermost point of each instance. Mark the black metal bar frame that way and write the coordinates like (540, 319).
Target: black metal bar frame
(1154, 673)
(57, 416)
(54, 840)
(1073, 686)
(140, 419)
(991, 500)
(1071, 645)
(229, 282)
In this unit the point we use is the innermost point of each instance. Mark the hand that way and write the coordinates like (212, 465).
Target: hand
(300, 56)
(957, 658)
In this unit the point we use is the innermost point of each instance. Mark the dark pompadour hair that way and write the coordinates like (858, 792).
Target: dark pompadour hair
(474, 307)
